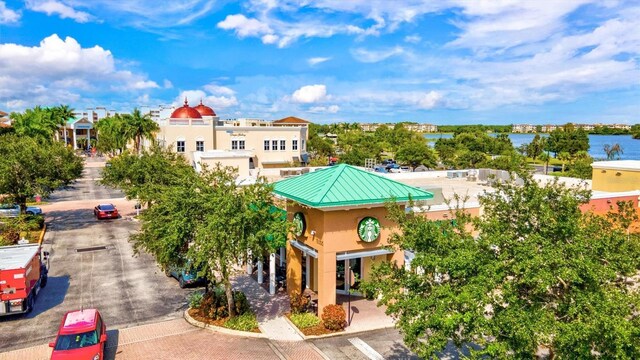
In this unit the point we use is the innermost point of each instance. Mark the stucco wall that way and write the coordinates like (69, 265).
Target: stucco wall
(615, 180)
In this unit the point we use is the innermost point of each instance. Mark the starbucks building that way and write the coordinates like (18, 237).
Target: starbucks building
(341, 228)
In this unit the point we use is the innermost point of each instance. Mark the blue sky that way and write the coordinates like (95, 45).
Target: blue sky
(438, 61)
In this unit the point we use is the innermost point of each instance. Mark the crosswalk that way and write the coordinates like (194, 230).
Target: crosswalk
(367, 350)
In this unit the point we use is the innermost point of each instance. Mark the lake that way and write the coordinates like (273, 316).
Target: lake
(630, 146)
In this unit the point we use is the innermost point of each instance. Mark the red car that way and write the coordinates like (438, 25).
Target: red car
(105, 211)
(82, 335)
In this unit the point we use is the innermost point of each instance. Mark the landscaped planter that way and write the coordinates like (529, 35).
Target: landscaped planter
(191, 316)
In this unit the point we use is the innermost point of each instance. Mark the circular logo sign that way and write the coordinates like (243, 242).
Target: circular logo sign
(369, 229)
(299, 224)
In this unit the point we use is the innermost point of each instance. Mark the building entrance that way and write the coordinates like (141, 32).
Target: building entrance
(343, 275)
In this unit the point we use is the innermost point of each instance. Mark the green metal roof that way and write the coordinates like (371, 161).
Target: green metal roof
(345, 185)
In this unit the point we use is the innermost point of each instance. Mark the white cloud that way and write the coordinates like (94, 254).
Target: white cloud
(167, 84)
(57, 70)
(331, 109)
(243, 26)
(219, 90)
(8, 16)
(310, 94)
(215, 100)
(414, 39)
(317, 60)
(372, 56)
(51, 7)
(429, 100)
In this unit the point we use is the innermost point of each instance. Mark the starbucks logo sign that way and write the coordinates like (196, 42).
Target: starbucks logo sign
(369, 229)
(299, 224)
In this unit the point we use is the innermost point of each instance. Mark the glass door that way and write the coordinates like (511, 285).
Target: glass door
(343, 275)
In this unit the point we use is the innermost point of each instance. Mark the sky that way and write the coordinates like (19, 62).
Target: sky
(425, 61)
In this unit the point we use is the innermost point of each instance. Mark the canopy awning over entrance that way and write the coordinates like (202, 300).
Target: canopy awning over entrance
(361, 254)
(304, 248)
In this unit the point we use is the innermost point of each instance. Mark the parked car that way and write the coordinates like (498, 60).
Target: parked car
(13, 210)
(106, 211)
(186, 275)
(82, 335)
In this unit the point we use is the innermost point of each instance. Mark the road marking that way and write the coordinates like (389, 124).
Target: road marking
(365, 349)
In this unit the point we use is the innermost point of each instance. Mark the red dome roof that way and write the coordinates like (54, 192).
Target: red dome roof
(204, 110)
(186, 112)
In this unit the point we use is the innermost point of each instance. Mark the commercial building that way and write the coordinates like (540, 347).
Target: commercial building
(342, 228)
(247, 144)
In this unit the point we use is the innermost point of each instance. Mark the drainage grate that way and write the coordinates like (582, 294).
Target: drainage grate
(93, 248)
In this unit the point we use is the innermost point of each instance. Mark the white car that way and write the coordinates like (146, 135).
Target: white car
(13, 210)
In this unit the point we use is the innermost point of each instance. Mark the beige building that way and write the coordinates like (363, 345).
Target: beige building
(199, 134)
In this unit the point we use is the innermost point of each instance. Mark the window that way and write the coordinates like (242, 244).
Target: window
(199, 145)
(266, 145)
(180, 146)
(241, 144)
(283, 145)
(294, 145)
(274, 145)
(303, 148)
(234, 144)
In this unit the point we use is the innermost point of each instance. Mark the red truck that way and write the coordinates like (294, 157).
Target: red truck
(22, 275)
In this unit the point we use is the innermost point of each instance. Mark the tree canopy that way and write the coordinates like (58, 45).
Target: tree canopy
(32, 166)
(539, 276)
(567, 139)
(41, 122)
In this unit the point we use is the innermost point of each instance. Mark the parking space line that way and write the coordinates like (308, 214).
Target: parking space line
(365, 349)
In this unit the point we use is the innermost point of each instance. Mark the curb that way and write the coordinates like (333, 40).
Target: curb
(339, 333)
(200, 324)
(42, 232)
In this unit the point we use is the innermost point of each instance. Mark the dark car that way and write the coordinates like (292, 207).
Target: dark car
(105, 211)
(186, 275)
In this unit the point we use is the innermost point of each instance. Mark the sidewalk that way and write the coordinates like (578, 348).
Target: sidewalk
(269, 309)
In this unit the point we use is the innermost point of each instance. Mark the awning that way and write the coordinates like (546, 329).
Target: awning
(304, 248)
(361, 254)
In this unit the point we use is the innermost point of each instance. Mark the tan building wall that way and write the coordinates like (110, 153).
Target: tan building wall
(221, 137)
(241, 164)
(255, 137)
(335, 232)
(616, 176)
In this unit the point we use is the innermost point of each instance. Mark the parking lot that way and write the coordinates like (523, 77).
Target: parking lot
(92, 264)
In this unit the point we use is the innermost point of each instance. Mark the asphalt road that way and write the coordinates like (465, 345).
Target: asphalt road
(92, 265)
(378, 344)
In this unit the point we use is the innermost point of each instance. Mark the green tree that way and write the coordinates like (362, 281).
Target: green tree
(564, 157)
(567, 139)
(213, 223)
(32, 166)
(540, 274)
(147, 175)
(41, 123)
(111, 134)
(535, 148)
(416, 152)
(139, 126)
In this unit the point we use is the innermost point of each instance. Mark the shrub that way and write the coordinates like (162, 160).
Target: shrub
(304, 320)
(333, 317)
(195, 300)
(241, 302)
(244, 322)
(214, 304)
(34, 222)
(298, 303)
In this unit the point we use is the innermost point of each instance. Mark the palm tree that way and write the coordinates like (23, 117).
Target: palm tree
(139, 126)
(564, 157)
(613, 151)
(63, 113)
(37, 122)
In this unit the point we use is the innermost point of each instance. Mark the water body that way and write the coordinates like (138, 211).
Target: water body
(630, 146)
